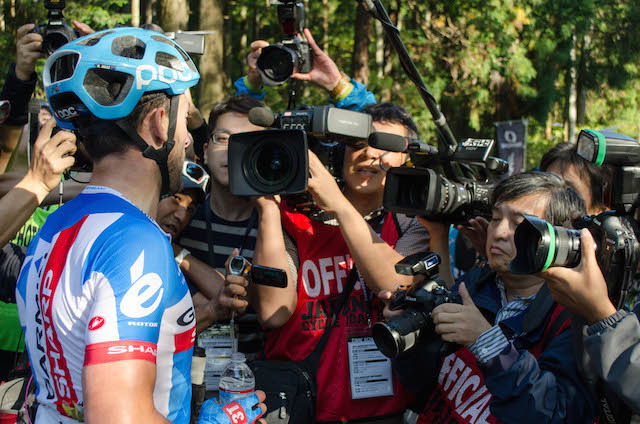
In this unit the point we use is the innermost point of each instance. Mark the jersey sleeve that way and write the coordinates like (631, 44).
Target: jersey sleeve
(129, 288)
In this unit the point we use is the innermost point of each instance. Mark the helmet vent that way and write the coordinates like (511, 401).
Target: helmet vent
(169, 61)
(107, 87)
(128, 46)
(64, 67)
(92, 41)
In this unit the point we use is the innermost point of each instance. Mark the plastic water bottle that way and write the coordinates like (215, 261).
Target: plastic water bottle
(237, 380)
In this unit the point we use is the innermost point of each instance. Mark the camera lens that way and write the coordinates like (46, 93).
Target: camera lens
(271, 166)
(53, 40)
(541, 245)
(276, 64)
(400, 333)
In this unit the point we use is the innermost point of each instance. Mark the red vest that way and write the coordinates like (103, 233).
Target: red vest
(461, 396)
(324, 265)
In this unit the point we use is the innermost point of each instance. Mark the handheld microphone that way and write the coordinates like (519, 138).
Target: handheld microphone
(397, 143)
(263, 117)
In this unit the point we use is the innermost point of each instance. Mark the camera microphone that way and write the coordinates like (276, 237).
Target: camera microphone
(497, 165)
(397, 143)
(263, 117)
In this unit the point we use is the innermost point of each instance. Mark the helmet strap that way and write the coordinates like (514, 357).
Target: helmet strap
(159, 156)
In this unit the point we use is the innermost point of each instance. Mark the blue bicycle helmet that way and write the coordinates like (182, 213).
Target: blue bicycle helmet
(104, 75)
(98, 80)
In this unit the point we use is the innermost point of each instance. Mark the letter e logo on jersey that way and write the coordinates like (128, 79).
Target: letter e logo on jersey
(144, 288)
(235, 413)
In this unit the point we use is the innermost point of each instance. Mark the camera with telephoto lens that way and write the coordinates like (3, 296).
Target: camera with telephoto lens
(424, 192)
(415, 325)
(56, 33)
(541, 245)
(276, 161)
(279, 61)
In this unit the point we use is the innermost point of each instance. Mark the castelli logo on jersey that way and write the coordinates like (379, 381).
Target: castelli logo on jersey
(146, 74)
(143, 289)
(96, 323)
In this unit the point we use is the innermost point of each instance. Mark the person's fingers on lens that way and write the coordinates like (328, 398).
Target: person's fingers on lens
(24, 30)
(231, 256)
(312, 43)
(258, 44)
(450, 308)
(445, 328)
(83, 28)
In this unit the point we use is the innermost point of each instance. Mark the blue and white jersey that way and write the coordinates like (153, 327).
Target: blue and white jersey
(100, 284)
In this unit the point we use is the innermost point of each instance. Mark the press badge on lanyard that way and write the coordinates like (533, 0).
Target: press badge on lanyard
(369, 370)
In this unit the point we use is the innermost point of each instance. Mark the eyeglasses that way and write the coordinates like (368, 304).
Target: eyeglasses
(221, 139)
(195, 173)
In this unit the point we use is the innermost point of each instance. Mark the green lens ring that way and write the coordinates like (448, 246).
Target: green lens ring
(552, 247)
(602, 147)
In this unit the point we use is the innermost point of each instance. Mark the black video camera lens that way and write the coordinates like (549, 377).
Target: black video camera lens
(400, 333)
(541, 245)
(276, 64)
(271, 165)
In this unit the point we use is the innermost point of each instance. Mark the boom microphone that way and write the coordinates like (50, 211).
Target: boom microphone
(397, 143)
(263, 117)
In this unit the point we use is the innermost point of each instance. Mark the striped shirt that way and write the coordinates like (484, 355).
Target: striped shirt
(225, 236)
(493, 341)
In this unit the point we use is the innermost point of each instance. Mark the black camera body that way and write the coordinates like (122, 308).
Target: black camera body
(422, 191)
(279, 61)
(56, 33)
(403, 332)
(541, 245)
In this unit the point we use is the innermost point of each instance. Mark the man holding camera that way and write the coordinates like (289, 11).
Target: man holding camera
(516, 362)
(318, 254)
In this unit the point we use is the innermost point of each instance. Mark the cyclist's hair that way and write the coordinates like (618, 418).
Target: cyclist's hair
(242, 103)
(597, 177)
(391, 113)
(560, 198)
(110, 139)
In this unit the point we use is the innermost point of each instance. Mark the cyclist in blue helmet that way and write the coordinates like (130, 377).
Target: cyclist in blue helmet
(108, 319)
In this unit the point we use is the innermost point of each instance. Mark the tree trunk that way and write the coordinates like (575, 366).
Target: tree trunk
(135, 13)
(227, 43)
(360, 56)
(573, 94)
(380, 49)
(212, 81)
(325, 25)
(148, 11)
(582, 88)
(174, 15)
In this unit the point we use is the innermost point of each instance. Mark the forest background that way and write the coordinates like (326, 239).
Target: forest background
(562, 65)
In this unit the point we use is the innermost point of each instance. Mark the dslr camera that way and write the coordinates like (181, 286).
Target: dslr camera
(403, 332)
(541, 245)
(56, 33)
(423, 192)
(279, 61)
(276, 161)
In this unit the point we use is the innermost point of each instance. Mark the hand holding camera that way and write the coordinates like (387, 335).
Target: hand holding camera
(325, 72)
(583, 289)
(323, 187)
(28, 51)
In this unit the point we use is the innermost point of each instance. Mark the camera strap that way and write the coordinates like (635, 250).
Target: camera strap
(312, 361)
(253, 221)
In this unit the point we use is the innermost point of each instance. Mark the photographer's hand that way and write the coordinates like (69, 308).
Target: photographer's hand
(325, 72)
(234, 295)
(439, 243)
(476, 232)
(461, 324)
(83, 28)
(583, 289)
(324, 189)
(27, 52)
(255, 80)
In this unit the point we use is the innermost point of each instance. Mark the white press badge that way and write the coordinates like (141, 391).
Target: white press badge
(369, 369)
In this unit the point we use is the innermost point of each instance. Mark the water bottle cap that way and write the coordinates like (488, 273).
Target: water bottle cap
(238, 357)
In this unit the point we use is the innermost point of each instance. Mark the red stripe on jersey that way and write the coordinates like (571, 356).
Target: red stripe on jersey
(66, 395)
(119, 350)
(184, 341)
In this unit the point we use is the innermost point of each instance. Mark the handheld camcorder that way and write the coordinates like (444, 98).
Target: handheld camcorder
(541, 245)
(279, 61)
(276, 161)
(257, 274)
(56, 33)
(403, 332)
(423, 192)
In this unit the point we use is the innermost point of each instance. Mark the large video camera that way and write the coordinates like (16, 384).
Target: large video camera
(56, 33)
(403, 332)
(541, 245)
(276, 161)
(423, 192)
(279, 61)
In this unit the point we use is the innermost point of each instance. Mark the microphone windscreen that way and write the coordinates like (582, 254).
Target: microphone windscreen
(388, 142)
(262, 117)
(34, 106)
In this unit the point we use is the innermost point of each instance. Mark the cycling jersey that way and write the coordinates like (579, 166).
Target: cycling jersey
(99, 284)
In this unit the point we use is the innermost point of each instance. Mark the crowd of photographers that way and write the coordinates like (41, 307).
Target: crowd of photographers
(350, 312)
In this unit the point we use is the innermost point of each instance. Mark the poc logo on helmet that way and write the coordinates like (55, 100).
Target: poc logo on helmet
(146, 74)
(66, 112)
